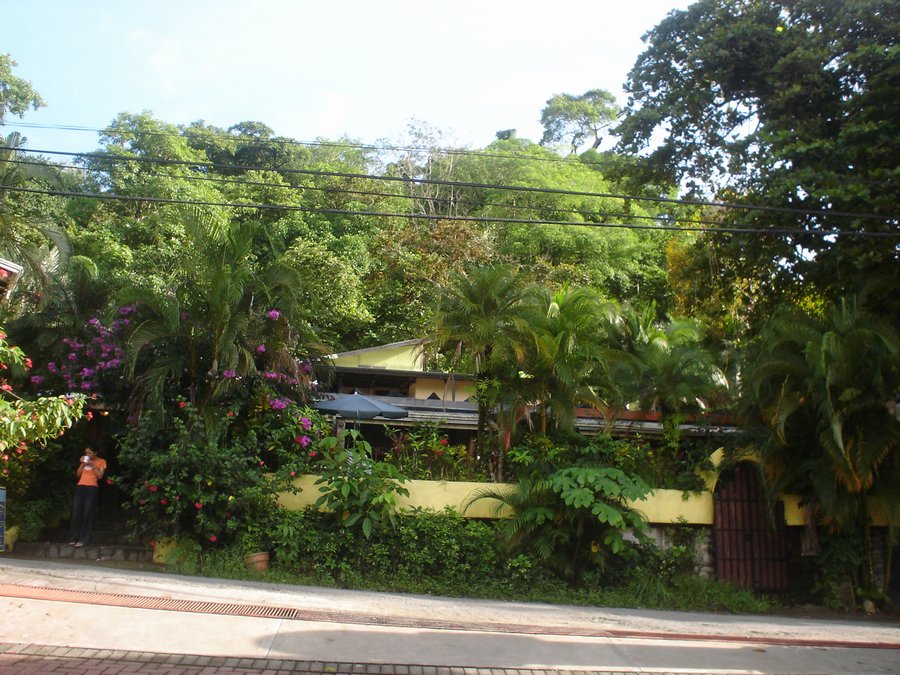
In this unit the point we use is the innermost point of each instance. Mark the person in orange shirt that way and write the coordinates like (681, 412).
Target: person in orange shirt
(89, 472)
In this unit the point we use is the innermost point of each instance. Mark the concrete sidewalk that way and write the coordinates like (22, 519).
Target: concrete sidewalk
(66, 606)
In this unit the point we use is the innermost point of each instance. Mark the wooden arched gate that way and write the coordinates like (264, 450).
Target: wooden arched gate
(750, 549)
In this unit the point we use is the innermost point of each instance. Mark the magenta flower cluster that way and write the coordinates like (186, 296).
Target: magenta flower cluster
(85, 362)
(280, 377)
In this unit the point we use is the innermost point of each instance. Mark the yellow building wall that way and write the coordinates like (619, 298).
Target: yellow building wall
(394, 357)
(662, 507)
(445, 390)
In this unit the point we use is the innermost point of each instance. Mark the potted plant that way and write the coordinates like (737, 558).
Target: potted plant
(254, 545)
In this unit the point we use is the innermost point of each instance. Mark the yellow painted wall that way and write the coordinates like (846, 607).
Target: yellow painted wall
(426, 386)
(662, 507)
(394, 357)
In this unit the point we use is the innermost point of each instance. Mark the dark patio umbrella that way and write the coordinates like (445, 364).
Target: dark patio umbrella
(358, 407)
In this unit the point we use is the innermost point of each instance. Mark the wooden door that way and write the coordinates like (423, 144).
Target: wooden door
(750, 549)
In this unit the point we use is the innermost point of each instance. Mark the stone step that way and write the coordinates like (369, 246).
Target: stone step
(99, 536)
(53, 550)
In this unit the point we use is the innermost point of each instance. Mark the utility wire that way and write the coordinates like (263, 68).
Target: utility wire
(393, 195)
(476, 219)
(463, 152)
(462, 184)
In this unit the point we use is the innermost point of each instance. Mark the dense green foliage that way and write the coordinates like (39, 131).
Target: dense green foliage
(27, 424)
(444, 554)
(779, 104)
(194, 279)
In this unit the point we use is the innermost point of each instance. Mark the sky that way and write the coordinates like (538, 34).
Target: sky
(312, 69)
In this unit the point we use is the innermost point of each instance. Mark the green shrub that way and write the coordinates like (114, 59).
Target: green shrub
(192, 480)
(358, 490)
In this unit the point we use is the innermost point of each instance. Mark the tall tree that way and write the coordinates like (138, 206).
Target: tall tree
(781, 104)
(17, 96)
(577, 120)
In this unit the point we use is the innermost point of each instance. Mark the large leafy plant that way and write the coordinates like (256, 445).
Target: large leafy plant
(361, 492)
(569, 509)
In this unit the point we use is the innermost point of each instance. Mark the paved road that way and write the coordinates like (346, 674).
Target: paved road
(71, 618)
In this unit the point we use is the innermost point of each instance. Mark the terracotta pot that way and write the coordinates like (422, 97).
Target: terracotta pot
(257, 561)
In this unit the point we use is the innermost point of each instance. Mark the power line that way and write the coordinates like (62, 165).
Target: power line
(393, 195)
(475, 219)
(463, 152)
(463, 184)
(311, 144)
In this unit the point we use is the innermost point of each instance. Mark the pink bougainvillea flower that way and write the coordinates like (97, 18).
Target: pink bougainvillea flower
(278, 404)
(306, 423)
(230, 373)
(260, 349)
(273, 314)
(304, 441)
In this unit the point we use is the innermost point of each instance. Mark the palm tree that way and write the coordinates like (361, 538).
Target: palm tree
(480, 321)
(820, 385)
(568, 332)
(204, 332)
(41, 248)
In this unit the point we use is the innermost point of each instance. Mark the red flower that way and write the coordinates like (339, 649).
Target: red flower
(89, 415)
(153, 488)
(163, 501)
(444, 441)
(198, 505)
(312, 453)
(213, 538)
(109, 481)
(153, 543)
(230, 414)
(182, 404)
(293, 473)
